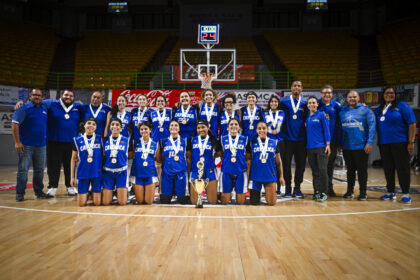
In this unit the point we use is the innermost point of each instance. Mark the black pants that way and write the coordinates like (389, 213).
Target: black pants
(356, 160)
(318, 160)
(282, 149)
(331, 161)
(297, 149)
(58, 153)
(396, 156)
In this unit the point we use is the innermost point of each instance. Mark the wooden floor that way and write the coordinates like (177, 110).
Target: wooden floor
(297, 239)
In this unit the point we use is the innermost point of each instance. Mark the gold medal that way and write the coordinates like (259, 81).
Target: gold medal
(67, 116)
(145, 163)
(294, 117)
(233, 159)
(176, 158)
(89, 159)
(114, 160)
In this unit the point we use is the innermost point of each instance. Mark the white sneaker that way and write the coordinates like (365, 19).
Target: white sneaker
(71, 191)
(51, 192)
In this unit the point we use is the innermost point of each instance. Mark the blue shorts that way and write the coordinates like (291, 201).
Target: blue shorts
(144, 181)
(176, 184)
(114, 179)
(230, 181)
(208, 174)
(258, 185)
(84, 184)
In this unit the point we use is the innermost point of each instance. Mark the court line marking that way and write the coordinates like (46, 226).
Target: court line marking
(210, 217)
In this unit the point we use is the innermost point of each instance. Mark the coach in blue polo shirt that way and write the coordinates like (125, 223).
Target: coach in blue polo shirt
(332, 110)
(97, 110)
(63, 125)
(29, 130)
(294, 107)
(358, 132)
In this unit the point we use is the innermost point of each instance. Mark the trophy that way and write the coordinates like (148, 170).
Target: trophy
(200, 184)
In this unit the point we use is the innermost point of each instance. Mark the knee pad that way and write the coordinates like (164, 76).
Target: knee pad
(255, 197)
(165, 199)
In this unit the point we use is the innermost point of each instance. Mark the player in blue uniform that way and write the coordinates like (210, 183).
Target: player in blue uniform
(97, 110)
(118, 111)
(396, 126)
(228, 105)
(174, 171)
(274, 118)
(139, 115)
(115, 166)
(160, 119)
(318, 147)
(209, 110)
(263, 153)
(234, 168)
(88, 151)
(251, 115)
(332, 110)
(185, 115)
(145, 152)
(204, 148)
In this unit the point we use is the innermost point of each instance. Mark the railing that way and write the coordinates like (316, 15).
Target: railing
(27, 77)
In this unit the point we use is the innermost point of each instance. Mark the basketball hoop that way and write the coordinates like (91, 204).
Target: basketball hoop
(206, 79)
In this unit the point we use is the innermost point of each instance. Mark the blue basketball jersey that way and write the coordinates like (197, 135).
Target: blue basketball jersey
(122, 152)
(238, 167)
(224, 121)
(263, 172)
(170, 165)
(272, 121)
(139, 169)
(86, 170)
(214, 120)
(188, 129)
(158, 135)
(208, 154)
(125, 119)
(247, 131)
(138, 117)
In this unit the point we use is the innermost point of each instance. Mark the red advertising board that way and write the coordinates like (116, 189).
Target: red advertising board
(171, 95)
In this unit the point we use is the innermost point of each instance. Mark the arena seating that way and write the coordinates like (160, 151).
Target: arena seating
(246, 51)
(27, 52)
(318, 58)
(399, 51)
(99, 54)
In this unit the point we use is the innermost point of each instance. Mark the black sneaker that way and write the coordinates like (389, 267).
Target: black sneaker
(20, 197)
(41, 195)
(362, 196)
(331, 193)
(348, 194)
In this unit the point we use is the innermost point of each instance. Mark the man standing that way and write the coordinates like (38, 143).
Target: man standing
(358, 129)
(294, 107)
(97, 110)
(29, 130)
(63, 124)
(332, 110)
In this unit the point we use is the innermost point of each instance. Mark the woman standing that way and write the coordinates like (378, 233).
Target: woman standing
(318, 148)
(174, 171)
(234, 168)
(115, 167)
(209, 110)
(274, 117)
(139, 115)
(186, 116)
(118, 111)
(87, 150)
(228, 105)
(145, 152)
(251, 115)
(160, 119)
(204, 148)
(263, 154)
(396, 126)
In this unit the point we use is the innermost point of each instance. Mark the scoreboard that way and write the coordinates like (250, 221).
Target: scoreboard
(117, 7)
(317, 4)
(208, 34)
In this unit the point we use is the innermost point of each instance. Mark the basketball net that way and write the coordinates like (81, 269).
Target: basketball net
(207, 79)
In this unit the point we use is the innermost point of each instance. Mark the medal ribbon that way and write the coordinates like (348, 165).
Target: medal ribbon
(202, 146)
(263, 148)
(114, 148)
(233, 145)
(295, 108)
(89, 146)
(95, 114)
